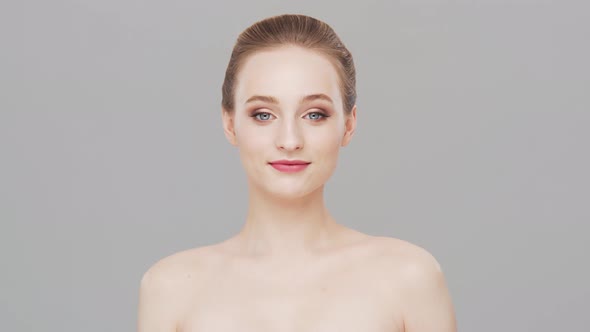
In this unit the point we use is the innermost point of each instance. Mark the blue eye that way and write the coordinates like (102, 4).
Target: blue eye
(266, 116)
(319, 115)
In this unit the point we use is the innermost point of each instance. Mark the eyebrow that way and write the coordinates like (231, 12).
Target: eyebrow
(273, 100)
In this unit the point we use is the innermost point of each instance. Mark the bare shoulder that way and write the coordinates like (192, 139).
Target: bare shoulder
(166, 278)
(419, 284)
(168, 287)
(408, 268)
(173, 270)
(407, 259)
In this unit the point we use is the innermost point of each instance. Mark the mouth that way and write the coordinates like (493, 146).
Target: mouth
(289, 162)
(289, 166)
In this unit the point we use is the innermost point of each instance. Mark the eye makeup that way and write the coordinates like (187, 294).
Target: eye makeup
(323, 115)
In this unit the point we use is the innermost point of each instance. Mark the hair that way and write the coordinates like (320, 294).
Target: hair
(297, 30)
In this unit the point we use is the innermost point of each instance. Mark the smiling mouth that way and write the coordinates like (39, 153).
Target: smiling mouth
(289, 167)
(289, 162)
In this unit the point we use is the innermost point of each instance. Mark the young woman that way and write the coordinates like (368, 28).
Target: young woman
(288, 106)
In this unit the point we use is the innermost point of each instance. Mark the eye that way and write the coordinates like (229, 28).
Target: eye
(316, 116)
(261, 116)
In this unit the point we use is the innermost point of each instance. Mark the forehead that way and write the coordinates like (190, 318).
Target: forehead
(287, 73)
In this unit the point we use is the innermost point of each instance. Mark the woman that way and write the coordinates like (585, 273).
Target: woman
(288, 106)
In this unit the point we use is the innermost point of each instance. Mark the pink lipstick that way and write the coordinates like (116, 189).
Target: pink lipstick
(289, 166)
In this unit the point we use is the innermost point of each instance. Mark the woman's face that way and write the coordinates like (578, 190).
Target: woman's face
(288, 106)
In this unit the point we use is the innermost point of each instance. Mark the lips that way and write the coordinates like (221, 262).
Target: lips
(289, 162)
(289, 166)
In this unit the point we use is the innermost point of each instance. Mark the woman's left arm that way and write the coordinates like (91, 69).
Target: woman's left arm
(427, 302)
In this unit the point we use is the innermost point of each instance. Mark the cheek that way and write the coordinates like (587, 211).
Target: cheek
(251, 140)
(326, 143)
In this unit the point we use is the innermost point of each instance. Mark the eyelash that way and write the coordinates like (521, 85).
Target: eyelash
(324, 116)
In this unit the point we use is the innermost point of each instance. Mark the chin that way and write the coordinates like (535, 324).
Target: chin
(294, 194)
(279, 189)
(291, 190)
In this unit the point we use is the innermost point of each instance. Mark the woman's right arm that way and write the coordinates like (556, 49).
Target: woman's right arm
(157, 309)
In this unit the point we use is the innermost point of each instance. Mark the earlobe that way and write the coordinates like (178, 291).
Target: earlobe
(350, 126)
(228, 126)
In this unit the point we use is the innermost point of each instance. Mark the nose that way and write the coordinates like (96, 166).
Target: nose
(289, 136)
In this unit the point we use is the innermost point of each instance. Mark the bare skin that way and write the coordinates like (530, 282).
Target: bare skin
(292, 267)
(363, 283)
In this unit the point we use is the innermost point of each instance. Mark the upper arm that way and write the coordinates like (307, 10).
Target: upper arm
(158, 308)
(427, 302)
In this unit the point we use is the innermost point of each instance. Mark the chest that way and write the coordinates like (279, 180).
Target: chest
(349, 301)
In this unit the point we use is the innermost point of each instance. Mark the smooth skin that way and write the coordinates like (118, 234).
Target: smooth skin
(292, 267)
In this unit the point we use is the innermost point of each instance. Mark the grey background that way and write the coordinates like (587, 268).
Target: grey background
(472, 142)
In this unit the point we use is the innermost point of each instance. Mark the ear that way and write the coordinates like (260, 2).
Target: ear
(227, 119)
(350, 126)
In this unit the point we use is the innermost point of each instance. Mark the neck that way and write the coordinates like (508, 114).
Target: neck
(284, 227)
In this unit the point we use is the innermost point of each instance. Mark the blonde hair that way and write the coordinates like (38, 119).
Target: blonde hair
(291, 29)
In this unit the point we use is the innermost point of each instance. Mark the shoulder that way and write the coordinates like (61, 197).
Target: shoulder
(418, 280)
(161, 299)
(410, 267)
(407, 258)
(168, 286)
(172, 272)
